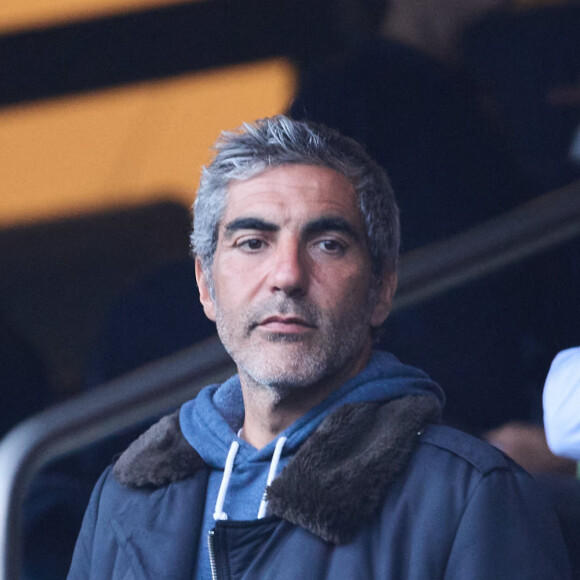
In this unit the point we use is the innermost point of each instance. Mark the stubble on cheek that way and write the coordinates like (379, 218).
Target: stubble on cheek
(284, 360)
(242, 334)
(273, 359)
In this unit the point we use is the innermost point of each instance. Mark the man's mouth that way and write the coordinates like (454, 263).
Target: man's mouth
(286, 324)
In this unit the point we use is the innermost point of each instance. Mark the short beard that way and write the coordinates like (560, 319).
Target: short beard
(300, 368)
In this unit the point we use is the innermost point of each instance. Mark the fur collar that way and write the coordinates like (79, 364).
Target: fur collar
(336, 481)
(160, 456)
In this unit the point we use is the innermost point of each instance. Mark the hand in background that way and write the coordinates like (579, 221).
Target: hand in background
(526, 445)
(565, 96)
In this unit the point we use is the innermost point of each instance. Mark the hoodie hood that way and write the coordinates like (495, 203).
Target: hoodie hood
(211, 421)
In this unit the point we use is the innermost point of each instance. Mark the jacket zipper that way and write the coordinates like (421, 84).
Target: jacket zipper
(211, 549)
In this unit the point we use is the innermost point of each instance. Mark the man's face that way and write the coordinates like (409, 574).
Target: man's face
(292, 275)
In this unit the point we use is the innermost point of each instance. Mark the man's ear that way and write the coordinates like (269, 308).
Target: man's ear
(204, 293)
(384, 302)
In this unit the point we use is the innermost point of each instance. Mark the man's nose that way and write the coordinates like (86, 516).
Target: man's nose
(289, 272)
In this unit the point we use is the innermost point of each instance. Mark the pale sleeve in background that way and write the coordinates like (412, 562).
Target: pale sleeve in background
(562, 404)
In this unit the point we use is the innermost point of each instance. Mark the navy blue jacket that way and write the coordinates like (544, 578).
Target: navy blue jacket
(373, 493)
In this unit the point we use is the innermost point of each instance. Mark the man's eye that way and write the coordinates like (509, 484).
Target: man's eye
(331, 246)
(251, 244)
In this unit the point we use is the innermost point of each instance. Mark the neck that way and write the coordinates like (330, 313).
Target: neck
(268, 411)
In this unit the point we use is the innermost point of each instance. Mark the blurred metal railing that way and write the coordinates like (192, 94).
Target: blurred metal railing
(92, 416)
(535, 226)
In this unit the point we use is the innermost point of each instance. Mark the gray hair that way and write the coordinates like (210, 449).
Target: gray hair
(277, 141)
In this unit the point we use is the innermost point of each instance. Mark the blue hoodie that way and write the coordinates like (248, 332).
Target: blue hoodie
(211, 421)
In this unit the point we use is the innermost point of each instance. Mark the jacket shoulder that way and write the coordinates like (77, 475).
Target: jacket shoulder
(482, 456)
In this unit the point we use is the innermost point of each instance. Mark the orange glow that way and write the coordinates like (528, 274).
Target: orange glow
(127, 145)
(18, 15)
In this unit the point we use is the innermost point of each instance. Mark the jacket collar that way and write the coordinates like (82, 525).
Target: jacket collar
(335, 482)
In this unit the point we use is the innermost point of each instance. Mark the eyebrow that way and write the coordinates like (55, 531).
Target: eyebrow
(249, 223)
(335, 224)
(323, 224)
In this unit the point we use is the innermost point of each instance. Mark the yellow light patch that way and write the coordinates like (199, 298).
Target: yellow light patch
(17, 15)
(127, 145)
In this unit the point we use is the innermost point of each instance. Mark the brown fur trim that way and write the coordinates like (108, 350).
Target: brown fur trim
(160, 456)
(336, 481)
(341, 475)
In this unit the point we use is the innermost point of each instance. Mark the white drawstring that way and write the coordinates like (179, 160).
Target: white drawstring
(271, 475)
(219, 514)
